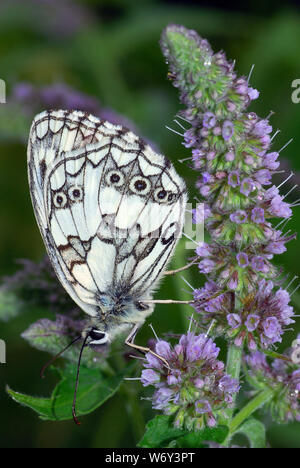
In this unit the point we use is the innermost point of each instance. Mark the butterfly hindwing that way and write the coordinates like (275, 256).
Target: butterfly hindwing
(109, 208)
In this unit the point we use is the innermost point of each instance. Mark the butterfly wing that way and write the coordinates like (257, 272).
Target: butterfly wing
(109, 208)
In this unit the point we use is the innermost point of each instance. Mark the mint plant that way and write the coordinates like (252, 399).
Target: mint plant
(244, 296)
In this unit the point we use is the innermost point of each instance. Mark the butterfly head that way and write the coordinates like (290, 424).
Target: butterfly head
(97, 337)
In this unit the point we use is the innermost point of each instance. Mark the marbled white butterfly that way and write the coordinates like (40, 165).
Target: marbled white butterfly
(110, 211)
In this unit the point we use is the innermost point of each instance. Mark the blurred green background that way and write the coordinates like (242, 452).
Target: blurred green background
(109, 52)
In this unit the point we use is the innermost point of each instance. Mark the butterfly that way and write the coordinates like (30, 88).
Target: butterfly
(110, 210)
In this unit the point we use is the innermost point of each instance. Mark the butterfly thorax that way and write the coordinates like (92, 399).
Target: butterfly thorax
(116, 312)
(121, 304)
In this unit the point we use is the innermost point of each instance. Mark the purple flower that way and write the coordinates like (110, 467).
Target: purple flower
(241, 86)
(247, 186)
(162, 397)
(264, 317)
(205, 190)
(239, 217)
(263, 176)
(227, 130)
(206, 178)
(262, 127)
(242, 259)
(258, 264)
(204, 250)
(229, 156)
(228, 385)
(198, 214)
(149, 377)
(280, 208)
(197, 154)
(258, 215)
(276, 247)
(212, 298)
(233, 282)
(253, 93)
(209, 120)
(194, 386)
(206, 265)
(163, 349)
(270, 161)
(189, 138)
(234, 179)
(283, 377)
(234, 320)
(202, 406)
(252, 322)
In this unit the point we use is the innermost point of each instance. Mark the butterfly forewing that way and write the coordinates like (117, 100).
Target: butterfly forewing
(109, 208)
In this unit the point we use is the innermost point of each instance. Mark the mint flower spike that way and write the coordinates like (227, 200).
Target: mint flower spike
(231, 150)
(196, 387)
(283, 377)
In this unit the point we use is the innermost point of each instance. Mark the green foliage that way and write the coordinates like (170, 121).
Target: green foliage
(45, 335)
(255, 432)
(94, 389)
(160, 432)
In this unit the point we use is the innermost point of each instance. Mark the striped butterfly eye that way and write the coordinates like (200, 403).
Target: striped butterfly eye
(140, 185)
(115, 178)
(75, 193)
(60, 200)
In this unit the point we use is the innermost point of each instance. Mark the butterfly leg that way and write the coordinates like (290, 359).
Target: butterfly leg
(178, 270)
(130, 342)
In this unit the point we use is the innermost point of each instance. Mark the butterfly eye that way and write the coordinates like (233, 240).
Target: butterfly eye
(115, 178)
(60, 200)
(75, 193)
(140, 185)
(160, 195)
(98, 337)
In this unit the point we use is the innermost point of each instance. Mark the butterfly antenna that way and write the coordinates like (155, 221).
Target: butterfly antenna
(76, 421)
(42, 372)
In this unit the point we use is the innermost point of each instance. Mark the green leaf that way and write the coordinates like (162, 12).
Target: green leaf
(197, 439)
(255, 432)
(94, 389)
(53, 336)
(160, 432)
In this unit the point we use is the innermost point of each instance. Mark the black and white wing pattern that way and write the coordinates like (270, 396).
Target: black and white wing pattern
(109, 208)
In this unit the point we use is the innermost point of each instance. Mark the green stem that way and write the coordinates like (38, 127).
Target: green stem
(234, 361)
(257, 402)
(233, 368)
